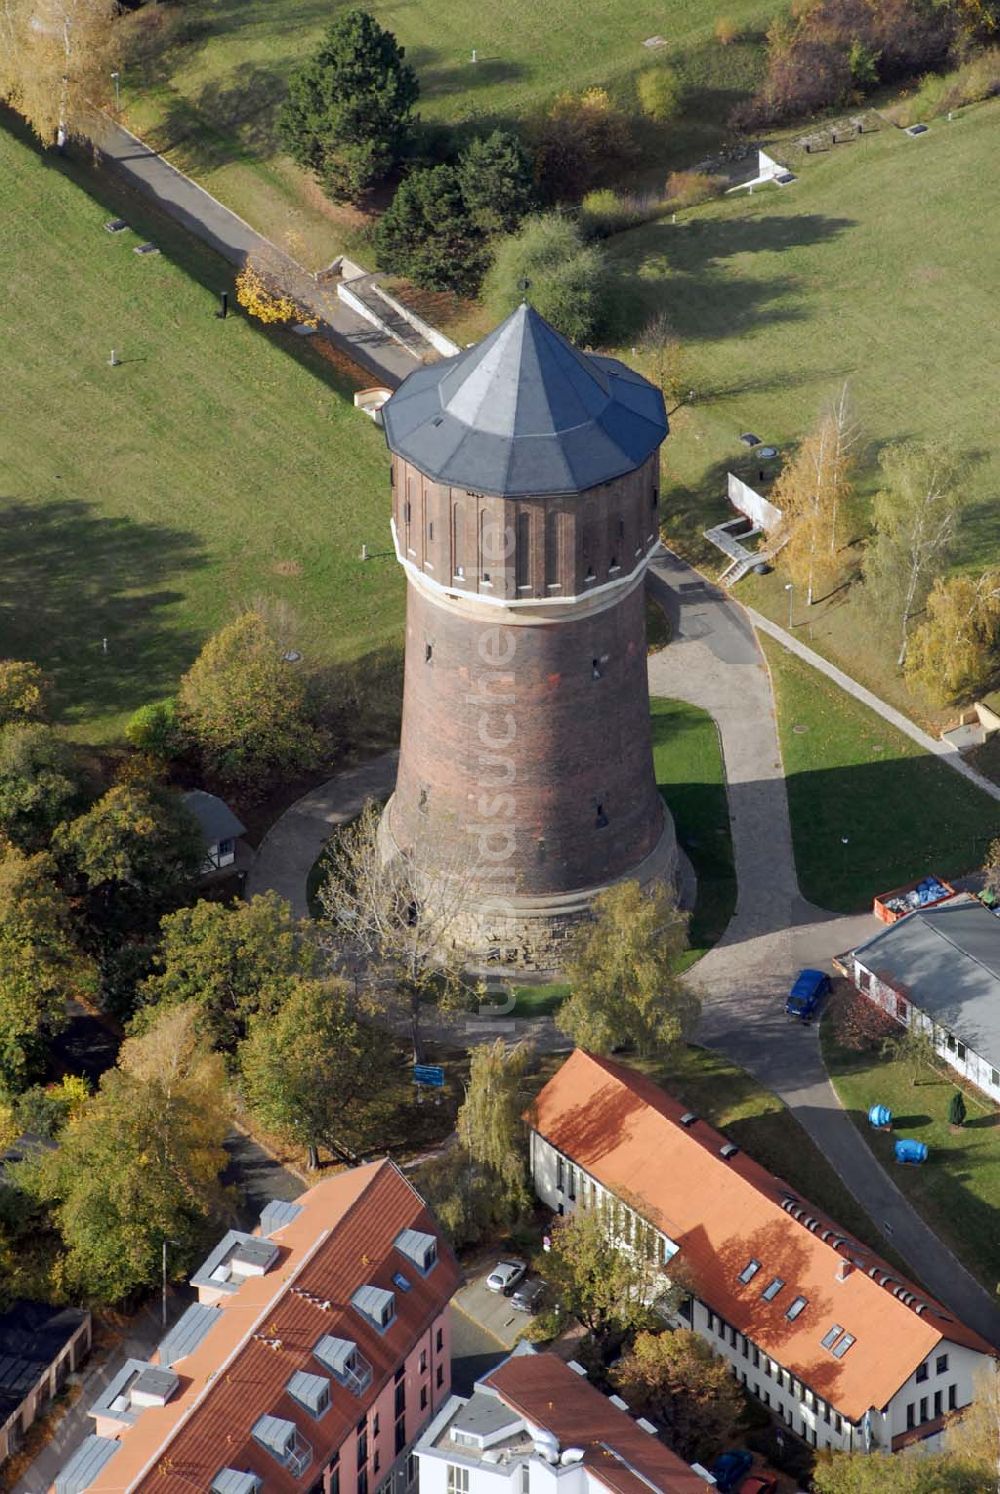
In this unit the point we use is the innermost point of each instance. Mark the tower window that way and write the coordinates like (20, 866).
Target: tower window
(621, 528)
(421, 805)
(428, 652)
(600, 819)
(654, 499)
(614, 566)
(540, 844)
(430, 530)
(590, 574)
(407, 511)
(595, 669)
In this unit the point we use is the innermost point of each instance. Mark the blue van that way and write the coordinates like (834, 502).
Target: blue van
(806, 994)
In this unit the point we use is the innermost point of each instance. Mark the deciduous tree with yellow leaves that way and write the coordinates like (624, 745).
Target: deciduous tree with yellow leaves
(954, 649)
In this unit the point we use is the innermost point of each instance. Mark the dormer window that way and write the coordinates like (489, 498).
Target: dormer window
(375, 1304)
(341, 1357)
(235, 1481)
(281, 1439)
(418, 1247)
(311, 1392)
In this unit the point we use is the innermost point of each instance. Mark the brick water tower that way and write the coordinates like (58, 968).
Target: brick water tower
(525, 508)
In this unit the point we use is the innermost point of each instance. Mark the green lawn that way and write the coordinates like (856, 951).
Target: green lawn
(213, 99)
(876, 266)
(957, 1190)
(852, 775)
(728, 1097)
(688, 761)
(142, 504)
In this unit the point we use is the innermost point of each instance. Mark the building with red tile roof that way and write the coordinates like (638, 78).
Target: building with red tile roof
(840, 1345)
(317, 1351)
(534, 1415)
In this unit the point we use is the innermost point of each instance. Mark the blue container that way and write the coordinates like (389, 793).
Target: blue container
(880, 1115)
(913, 1152)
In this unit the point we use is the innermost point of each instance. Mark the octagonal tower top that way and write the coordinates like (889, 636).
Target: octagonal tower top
(524, 413)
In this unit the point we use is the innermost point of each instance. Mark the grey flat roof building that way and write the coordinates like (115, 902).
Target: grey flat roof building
(525, 413)
(215, 818)
(946, 960)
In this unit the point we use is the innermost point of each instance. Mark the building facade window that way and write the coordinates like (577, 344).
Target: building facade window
(440, 1376)
(440, 1340)
(941, 1364)
(458, 1479)
(921, 1374)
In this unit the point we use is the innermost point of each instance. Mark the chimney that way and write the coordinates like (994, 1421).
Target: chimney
(843, 1271)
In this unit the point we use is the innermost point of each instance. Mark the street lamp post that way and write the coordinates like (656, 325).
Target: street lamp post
(166, 1242)
(115, 78)
(789, 587)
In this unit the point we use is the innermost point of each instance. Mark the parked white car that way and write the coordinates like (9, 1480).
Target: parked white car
(505, 1276)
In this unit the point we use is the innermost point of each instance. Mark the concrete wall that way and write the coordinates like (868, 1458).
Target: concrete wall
(753, 504)
(949, 1046)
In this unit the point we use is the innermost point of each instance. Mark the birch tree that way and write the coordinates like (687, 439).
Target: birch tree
(56, 59)
(393, 916)
(812, 491)
(916, 515)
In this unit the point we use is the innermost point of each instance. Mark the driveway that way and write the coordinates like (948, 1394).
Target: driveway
(491, 1311)
(713, 661)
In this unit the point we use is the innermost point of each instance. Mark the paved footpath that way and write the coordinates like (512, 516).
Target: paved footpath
(713, 661)
(232, 237)
(292, 846)
(947, 751)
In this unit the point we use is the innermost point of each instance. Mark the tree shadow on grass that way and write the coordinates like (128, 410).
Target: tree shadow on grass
(71, 578)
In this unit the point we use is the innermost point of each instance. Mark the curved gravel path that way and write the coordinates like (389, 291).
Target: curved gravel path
(713, 661)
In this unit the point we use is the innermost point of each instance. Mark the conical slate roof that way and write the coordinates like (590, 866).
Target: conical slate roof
(524, 412)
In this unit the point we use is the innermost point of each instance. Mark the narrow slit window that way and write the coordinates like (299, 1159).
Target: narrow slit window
(600, 818)
(595, 669)
(428, 652)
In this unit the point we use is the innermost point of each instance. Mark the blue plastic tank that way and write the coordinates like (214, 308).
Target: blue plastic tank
(908, 1150)
(879, 1115)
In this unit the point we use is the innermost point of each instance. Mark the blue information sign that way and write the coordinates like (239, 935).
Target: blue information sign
(428, 1073)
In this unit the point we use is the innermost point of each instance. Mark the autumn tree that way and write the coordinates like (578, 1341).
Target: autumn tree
(234, 960)
(320, 1071)
(666, 359)
(812, 492)
(973, 1439)
(56, 57)
(39, 782)
(349, 109)
(954, 650)
(888, 1473)
(23, 691)
(140, 1163)
(660, 92)
(624, 970)
(607, 1285)
(246, 706)
(388, 917)
(489, 1121)
(585, 141)
(40, 966)
(677, 1380)
(991, 866)
(136, 850)
(915, 515)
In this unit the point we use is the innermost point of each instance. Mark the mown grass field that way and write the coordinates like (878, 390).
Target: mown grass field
(212, 100)
(877, 267)
(852, 777)
(957, 1190)
(687, 759)
(143, 504)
